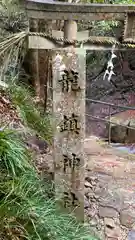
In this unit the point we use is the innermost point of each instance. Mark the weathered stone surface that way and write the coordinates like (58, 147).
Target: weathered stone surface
(90, 194)
(92, 212)
(93, 223)
(113, 233)
(131, 235)
(111, 196)
(91, 178)
(107, 212)
(131, 132)
(112, 230)
(69, 137)
(87, 191)
(119, 133)
(87, 184)
(109, 222)
(86, 203)
(101, 191)
(127, 217)
(114, 201)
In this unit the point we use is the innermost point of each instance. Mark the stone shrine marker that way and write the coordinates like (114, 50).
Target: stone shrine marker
(69, 110)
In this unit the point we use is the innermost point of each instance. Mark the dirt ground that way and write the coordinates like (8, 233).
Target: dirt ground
(106, 160)
(110, 191)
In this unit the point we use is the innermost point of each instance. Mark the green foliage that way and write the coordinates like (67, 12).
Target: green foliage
(13, 17)
(22, 98)
(106, 27)
(13, 156)
(20, 94)
(26, 212)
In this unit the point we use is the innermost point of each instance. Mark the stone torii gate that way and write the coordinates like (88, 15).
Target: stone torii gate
(69, 85)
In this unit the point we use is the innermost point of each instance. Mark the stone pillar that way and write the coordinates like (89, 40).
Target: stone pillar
(70, 30)
(69, 112)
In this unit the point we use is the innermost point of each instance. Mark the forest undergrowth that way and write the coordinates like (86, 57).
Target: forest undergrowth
(26, 209)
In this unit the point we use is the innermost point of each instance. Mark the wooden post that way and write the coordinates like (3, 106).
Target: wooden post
(69, 111)
(32, 58)
(43, 62)
(37, 60)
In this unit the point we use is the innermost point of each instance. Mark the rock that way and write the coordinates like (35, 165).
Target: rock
(90, 195)
(111, 229)
(92, 212)
(121, 134)
(107, 212)
(131, 235)
(87, 190)
(93, 183)
(109, 222)
(131, 132)
(113, 200)
(92, 180)
(118, 133)
(86, 204)
(101, 192)
(87, 184)
(88, 179)
(93, 223)
(127, 217)
(96, 197)
(113, 238)
(35, 143)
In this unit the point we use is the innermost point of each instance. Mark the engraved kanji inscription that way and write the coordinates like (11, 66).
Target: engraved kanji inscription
(69, 128)
(70, 199)
(74, 125)
(74, 81)
(69, 81)
(72, 162)
(65, 124)
(70, 124)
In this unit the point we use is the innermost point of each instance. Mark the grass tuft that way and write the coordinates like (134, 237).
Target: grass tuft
(13, 155)
(22, 98)
(26, 211)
